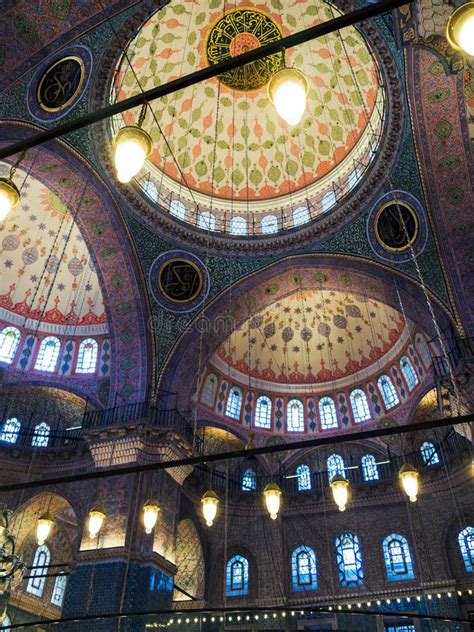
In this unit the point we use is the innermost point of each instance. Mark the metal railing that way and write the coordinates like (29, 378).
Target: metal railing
(457, 351)
(28, 436)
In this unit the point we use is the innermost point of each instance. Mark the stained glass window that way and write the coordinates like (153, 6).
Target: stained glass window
(409, 373)
(354, 178)
(466, 545)
(388, 392)
(269, 224)
(335, 465)
(6, 623)
(87, 356)
(370, 471)
(237, 576)
(177, 209)
(328, 201)
(397, 557)
(295, 416)
(41, 435)
(360, 406)
(206, 220)
(234, 403)
(429, 454)
(9, 341)
(38, 573)
(149, 187)
(399, 627)
(303, 569)
(209, 390)
(349, 560)
(10, 430)
(301, 216)
(238, 226)
(303, 474)
(249, 480)
(59, 589)
(327, 413)
(48, 354)
(263, 412)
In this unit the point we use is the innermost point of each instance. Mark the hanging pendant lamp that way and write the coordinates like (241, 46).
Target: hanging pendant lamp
(460, 29)
(409, 479)
(288, 90)
(210, 502)
(97, 517)
(340, 491)
(9, 197)
(272, 498)
(43, 528)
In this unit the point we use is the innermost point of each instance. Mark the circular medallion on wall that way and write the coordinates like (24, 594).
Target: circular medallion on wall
(59, 84)
(396, 226)
(179, 281)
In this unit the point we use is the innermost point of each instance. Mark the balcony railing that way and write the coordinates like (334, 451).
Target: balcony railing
(458, 350)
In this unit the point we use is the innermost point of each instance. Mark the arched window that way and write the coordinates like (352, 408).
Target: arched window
(177, 209)
(237, 576)
(328, 201)
(303, 474)
(294, 416)
(48, 354)
(429, 454)
(150, 188)
(38, 573)
(209, 390)
(327, 413)
(41, 435)
(238, 226)
(423, 350)
(409, 373)
(370, 471)
(234, 403)
(303, 569)
(6, 623)
(388, 392)
(354, 178)
(397, 557)
(9, 341)
(10, 430)
(301, 216)
(466, 545)
(269, 224)
(360, 406)
(206, 220)
(263, 412)
(335, 465)
(349, 560)
(87, 356)
(59, 589)
(249, 480)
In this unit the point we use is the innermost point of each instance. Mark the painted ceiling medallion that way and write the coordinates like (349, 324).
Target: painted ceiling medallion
(179, 281)
(236, 33)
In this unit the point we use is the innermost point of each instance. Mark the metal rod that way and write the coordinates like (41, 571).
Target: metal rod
(271, 48)
(238, 454)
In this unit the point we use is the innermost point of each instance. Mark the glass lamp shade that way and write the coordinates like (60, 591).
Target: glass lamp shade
(210, 502)
(150, 514)
(96, 520)
(460, 29)
(340, 491)
(9, 197)
(272, 497)
(43, 528)
(287, 90)
(132, 146)
(409, 480)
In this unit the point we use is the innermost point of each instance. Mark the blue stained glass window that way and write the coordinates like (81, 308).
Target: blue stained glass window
(87, 356)
(237, 577)
(263, 412)
(388, 392)
(398, 563)
(370, 471)
(360, 406)
(328, 201)
(234, 403)
(10, 430)
(349, 560)
(335, 465)
(409, 373)
(9, 341)
(59, 589)
(38, 573)
(304, 478)
(327, 413)
(402, 627)
(150, 188)
(48, 354)
(429, 454)
(466, 545)
(41, 436)
(303, 569)
(295, 416)
(249, 481)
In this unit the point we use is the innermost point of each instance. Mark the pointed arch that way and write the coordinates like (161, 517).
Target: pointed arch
(335, 466)
(87, 356)
(38, 573)
(263, 412)
(359, 405)
(237, 576)
(234, 403)
(349, 560)
(466, 546)
(48, 354)
(397, 556)
(303, 569)
(409, 373)
(249, 480)
(9, 341)
(295, 416)
(370, 470)
(303, 474)
(327, 413)
(387, 391)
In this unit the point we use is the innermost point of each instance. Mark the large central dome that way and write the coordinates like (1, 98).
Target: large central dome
(227, 152)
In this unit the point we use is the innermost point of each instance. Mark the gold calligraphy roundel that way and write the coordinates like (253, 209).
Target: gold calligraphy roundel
(396, 226)
(237, 32)
(61, 83)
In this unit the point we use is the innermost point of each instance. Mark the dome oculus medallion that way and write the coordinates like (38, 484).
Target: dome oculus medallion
(230, 164)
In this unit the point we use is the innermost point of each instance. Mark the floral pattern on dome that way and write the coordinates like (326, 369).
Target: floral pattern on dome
(230, 151)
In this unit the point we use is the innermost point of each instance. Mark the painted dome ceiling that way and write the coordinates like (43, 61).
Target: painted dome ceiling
(46, 269)
(313, 337)
(226, 148)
